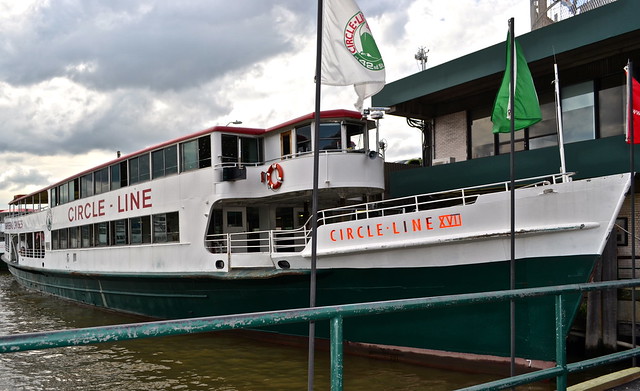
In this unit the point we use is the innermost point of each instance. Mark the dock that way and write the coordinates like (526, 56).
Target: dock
(624, 380)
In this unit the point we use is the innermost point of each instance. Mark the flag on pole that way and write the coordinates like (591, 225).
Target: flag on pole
(349, 52)
(635, 125)
(526, 106)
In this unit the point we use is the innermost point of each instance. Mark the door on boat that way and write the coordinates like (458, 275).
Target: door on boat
(234, 221)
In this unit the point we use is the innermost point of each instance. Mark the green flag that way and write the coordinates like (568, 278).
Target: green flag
(526, 106)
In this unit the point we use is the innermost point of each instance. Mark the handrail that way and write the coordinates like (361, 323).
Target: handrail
(335, 314)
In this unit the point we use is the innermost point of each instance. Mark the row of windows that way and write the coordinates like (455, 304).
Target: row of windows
(587, 113)
(159, 228)
(194, 154)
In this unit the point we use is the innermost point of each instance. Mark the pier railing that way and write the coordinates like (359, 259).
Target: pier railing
(294, 240)
(336, 314)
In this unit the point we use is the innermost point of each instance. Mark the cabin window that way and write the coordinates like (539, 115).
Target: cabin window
(250, 150)
(578, 112)
(303, 139)
(166, 228)
(86, 185)
(55, 243)
(63, 238)
(86, 237)
(64, 193)
(140, 228)
(330, 136)
(482, 138)
(101, 181)
(229, 145)
(118, 175)
(356, 137)
(164, 162)
(139, 169)
(195, 154)
(101, 234)
(74, 237)
(54, 196)
(119, 232)
(285, 144)
(74, 189)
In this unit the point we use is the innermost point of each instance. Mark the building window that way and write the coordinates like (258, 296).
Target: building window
(119, 232)
(101, 234)
(612, 104)
(86, 236)
(195, 154)
(118, 175)
(544, 133)
(578, 112)
(482, 138)
(86, 185)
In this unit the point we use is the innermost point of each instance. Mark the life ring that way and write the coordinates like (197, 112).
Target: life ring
(274, 181)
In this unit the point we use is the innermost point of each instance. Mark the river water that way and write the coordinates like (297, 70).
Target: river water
(212, 361)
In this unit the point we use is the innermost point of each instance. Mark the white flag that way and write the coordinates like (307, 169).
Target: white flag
(349, 52)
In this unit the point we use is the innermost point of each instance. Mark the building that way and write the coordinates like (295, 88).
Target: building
(455, 100)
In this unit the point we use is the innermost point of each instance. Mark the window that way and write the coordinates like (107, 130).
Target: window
(139, 169)
(64, 193)
(63, 236)
(195, 154)
(578, 113)
(188, 156)
(544, 133)
(482, 138)
(74, 237)
(303, 139)
(101, 181)
(86, 236)
(612, 109)
(166, 228)
(55, 241)
(101, 234)
(229, 144)
(250, 150)
(330, 136)
(140, 230)
(164, 162)
(86, 185)
(119, 232)
(118, 175)
(355, 137)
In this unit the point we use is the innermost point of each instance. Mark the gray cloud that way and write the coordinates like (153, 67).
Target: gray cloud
(19, 179)
(164, 45)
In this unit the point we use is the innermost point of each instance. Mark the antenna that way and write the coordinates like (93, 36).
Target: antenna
(421, 56)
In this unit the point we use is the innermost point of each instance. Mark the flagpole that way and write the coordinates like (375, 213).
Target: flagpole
(630, 135)
(314, 199)
(563, 166)
(512, 263)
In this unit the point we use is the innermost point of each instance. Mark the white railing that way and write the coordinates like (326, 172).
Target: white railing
(279, 241)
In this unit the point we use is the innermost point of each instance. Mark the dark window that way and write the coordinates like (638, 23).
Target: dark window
(119, 234)
(140, 230)
(303, 139)
(101, 234)
(86, 185)
(139, 169)
(166, 228)
(86, 236)
(101, 181)
(330, 136)
(229, 144)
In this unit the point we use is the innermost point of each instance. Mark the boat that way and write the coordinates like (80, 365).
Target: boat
(217, 222)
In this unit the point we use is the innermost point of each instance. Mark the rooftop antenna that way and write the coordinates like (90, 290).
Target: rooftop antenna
(422, 57)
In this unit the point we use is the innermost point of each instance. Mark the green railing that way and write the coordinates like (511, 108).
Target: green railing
(335, 314)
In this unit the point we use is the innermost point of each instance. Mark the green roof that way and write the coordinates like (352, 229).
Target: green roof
(604, 23)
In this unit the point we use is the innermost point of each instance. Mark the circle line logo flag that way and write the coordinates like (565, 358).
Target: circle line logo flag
(350, 54)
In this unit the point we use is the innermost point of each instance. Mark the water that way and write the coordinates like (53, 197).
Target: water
(212, 361)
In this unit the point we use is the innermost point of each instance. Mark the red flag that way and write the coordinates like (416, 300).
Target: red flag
(635, 125)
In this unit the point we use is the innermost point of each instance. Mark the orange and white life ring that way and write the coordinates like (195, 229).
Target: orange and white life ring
(274, 176)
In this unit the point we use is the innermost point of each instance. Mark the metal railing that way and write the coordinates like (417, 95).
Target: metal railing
(296, 239)
(335, 314)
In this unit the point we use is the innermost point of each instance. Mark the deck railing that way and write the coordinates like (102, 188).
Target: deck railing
(296, 239)
(336, 314)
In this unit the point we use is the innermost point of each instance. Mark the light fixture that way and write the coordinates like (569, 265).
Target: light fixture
(236, 122)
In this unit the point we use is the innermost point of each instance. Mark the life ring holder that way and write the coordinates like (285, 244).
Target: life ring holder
(274, 176)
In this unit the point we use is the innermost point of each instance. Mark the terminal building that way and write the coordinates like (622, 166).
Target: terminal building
(453, 103)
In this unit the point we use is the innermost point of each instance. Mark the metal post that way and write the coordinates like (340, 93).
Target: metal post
(336, 354)
(314, 200)
(512, 262)
(561, 351)
(632, 170)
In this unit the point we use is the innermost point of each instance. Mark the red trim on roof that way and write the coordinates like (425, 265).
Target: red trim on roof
(226, 129)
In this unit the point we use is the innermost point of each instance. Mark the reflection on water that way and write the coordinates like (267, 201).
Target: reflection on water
(214, 361)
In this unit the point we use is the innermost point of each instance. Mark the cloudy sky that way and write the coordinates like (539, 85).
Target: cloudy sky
(82, 79)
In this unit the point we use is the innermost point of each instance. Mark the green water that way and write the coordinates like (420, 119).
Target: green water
(220, 361)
